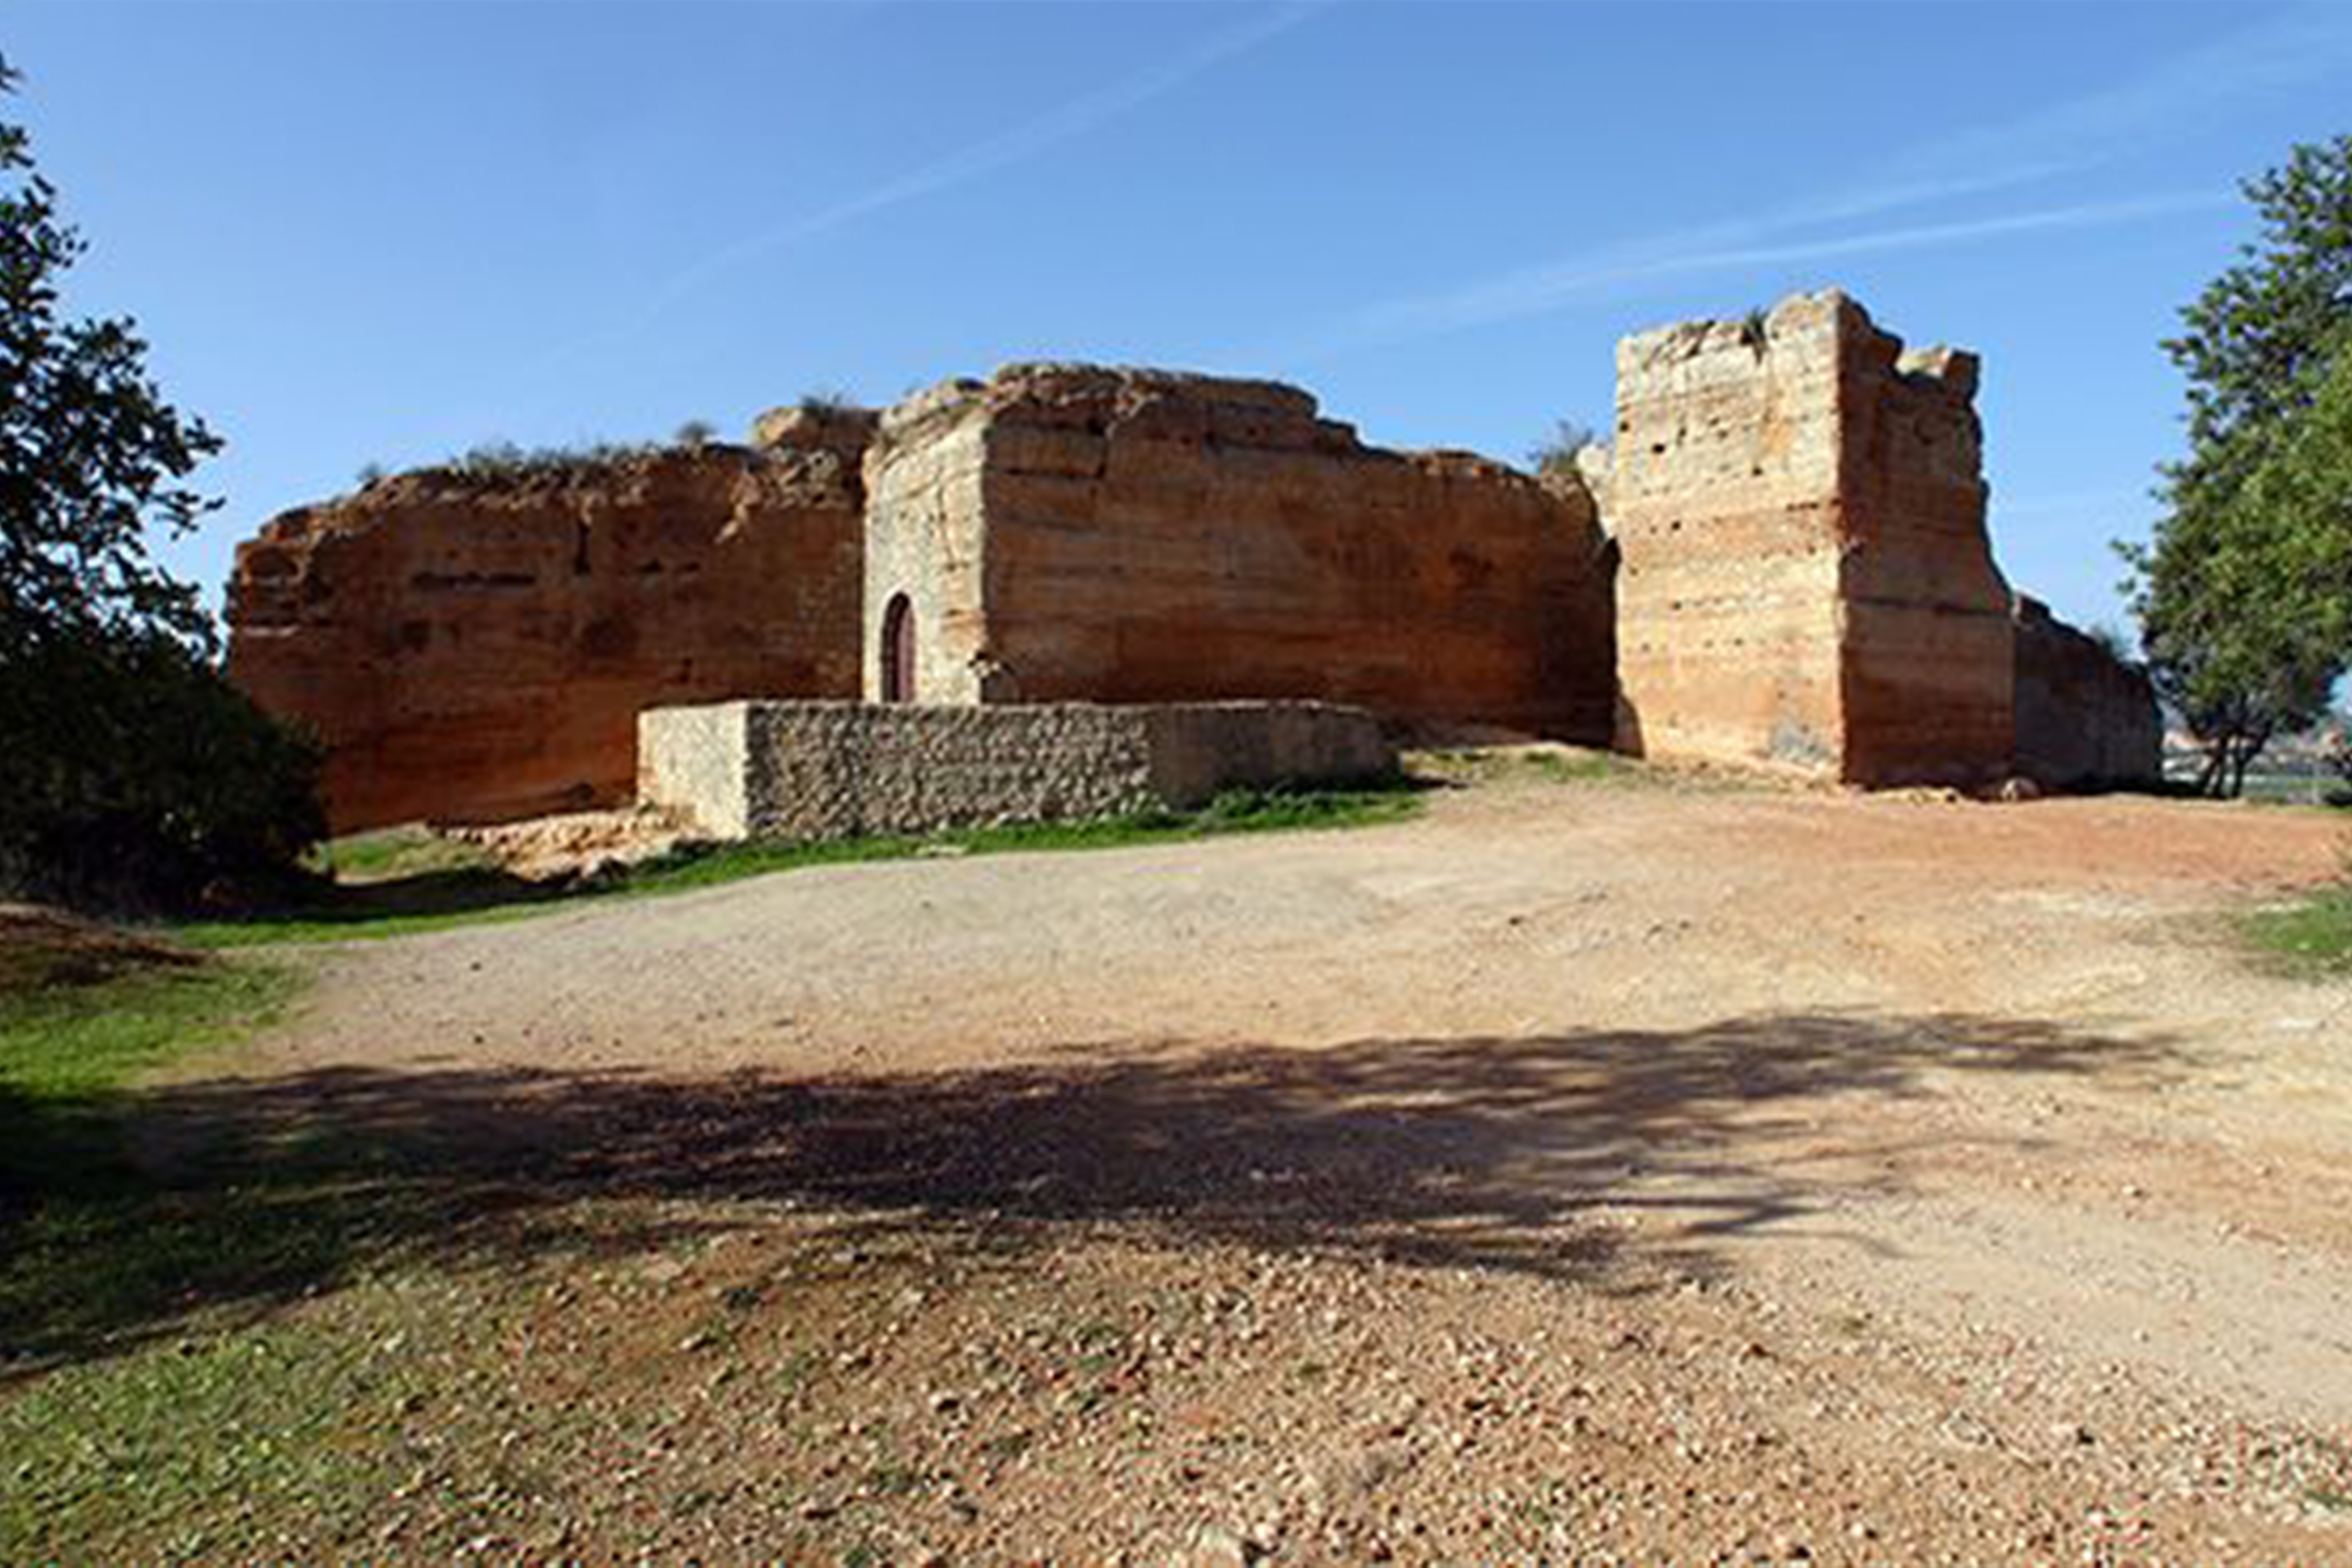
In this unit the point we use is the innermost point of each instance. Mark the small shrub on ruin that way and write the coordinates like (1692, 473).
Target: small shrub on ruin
(827, 401)
(500, 461)
(694, 434)
(1556, 454)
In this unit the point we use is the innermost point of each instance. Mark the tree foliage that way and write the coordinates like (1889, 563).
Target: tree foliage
(2245, 594)
(128, 767)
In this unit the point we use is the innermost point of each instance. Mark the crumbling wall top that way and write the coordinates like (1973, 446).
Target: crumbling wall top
(1827, 319)
(1154, 403)
(814, 424)
(611, 476)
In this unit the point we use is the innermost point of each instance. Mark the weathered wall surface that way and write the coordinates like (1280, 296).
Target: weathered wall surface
(476, 649)
(1929, 678)
(2086, 718)
(1132, 535)
(924, 538)
(817, 771)
(1722, 505)
(1805, 578)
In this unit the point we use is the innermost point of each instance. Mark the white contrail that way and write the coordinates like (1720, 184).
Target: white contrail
(1532, 292)
(980, 158)
(2170, 100)
(991, 154)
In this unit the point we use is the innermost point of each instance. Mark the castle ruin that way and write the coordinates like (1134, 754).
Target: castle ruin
(1804, 575)
(1783, 564)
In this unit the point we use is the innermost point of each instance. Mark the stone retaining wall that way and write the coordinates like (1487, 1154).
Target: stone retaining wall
(834, 769)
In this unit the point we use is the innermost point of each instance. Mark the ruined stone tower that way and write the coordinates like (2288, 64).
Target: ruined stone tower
(1804, 574)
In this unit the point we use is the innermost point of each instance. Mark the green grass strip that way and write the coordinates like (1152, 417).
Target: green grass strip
(2311, 937)
(467, 896)
(76, 1043)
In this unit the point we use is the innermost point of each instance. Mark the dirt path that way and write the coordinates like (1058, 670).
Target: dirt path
(1951, 1137)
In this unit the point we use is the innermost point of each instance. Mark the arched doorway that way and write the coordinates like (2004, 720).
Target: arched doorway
(898, 651)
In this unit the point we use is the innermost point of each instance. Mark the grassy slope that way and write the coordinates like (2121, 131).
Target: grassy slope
(141, 1388)
(462, 895)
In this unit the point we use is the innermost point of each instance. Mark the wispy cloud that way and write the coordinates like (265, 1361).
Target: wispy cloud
(1543, 289)
(1017, 145)
(973, 160)
(2168, 100)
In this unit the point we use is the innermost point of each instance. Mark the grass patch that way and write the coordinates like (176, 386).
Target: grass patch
(391, 855)
(437, 899)
(105, 1247)
(2311, 937)
(160, 1454)
(66, 1050)
(87, 1242)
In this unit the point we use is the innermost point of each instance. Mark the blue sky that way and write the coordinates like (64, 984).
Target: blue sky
(380, 235)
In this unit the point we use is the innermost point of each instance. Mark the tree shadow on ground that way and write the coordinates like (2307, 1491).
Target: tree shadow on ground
(1473, 1152)
(451, 891)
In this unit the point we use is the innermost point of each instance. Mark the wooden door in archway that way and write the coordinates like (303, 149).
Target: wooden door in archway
(898, 651)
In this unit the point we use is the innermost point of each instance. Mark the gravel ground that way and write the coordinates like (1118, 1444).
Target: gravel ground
(1577, 1172)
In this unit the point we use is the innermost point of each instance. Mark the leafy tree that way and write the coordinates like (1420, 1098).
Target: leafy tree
(2245, 594)
(128, 767)
(2261, 337)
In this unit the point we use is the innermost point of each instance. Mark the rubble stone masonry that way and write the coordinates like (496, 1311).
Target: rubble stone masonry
(827, 770)
(2085, 719)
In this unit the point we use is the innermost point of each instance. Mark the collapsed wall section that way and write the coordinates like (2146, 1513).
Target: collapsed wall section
(1068, 532)
(2086, 718)
(475, 647)
(1805, 579)
(830, 770)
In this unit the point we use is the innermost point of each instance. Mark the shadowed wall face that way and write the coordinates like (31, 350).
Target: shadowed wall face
(2084, 718)
(1072, 532)
(478, 650)
(1806, 579)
